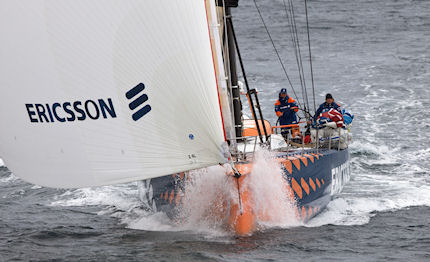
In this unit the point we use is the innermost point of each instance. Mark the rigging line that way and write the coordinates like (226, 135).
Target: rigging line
(294, 45)
(276, 50)
(305, 93)
(298, 58)
(310, 54)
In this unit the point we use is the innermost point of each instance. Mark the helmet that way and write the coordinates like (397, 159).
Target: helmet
(283, 91)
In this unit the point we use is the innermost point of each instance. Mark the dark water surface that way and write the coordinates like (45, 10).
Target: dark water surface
(374, 57)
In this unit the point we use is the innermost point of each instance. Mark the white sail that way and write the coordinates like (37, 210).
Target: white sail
(97, 92)
(216, 25)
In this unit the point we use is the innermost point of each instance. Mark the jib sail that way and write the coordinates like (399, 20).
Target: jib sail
(97, 92)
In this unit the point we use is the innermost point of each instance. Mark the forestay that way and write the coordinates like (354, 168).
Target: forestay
(97, 92)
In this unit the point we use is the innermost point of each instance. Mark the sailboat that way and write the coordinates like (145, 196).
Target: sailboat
(101, 92)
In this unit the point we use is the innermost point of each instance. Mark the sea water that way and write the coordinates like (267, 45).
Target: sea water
(373, 57)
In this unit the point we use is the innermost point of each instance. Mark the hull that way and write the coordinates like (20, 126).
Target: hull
(310, 180)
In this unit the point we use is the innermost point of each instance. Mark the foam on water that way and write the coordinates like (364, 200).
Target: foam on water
(9, 178)
(150, 221)
(346, 210)
(123, 197)
(120, 201)
(383, 179)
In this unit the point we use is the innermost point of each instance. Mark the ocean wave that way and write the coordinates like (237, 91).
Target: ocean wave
(383, 179)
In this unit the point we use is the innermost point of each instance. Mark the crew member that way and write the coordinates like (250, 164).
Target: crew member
(286, 109)
(326, 106)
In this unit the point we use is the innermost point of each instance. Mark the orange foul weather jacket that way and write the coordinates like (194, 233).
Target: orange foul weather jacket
(286, 110)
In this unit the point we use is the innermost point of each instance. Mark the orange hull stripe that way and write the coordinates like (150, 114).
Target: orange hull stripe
(322, 180)
(303, 212)
(297, 188)
(305, 185)
(315, 155)
(312, 184)
(288, 166)
(296, 162)
(318, 182)
(310, 157)
(304, 160)
(172, 195)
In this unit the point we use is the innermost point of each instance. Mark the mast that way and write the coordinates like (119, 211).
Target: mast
(233, 50)
(237, 105)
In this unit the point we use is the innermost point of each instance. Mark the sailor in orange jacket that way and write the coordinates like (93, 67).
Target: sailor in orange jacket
(286, 109)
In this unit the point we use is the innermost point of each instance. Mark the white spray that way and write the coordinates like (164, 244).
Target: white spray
(207, 190)
(271, 193)
(204, 205)
(203, 208)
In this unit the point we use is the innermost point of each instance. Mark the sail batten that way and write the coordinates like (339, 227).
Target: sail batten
(67, 70)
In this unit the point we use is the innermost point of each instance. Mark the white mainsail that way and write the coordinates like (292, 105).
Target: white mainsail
(97, 92)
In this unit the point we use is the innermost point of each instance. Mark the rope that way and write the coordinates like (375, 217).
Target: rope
(294, 26)
(310, 54)
(276, 50)
(296, 45)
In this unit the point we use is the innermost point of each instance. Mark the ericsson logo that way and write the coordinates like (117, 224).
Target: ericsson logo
(138, 101)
